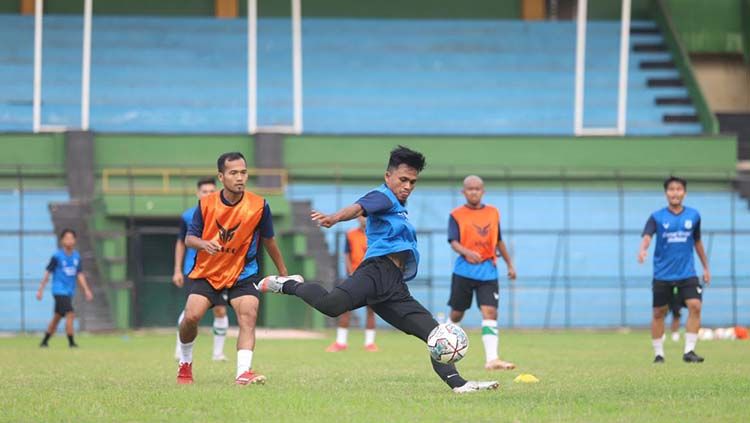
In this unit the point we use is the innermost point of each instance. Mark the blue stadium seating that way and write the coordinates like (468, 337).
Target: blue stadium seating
(188, 75)
(26, 269)
(594, 259)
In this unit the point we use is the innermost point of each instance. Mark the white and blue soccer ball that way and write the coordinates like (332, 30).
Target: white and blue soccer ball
(447, 343)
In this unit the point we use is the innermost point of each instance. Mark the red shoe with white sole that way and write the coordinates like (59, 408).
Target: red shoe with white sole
(185, 374)
(250, 378)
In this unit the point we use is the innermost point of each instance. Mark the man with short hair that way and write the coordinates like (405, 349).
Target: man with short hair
(184, 260)
(66, 269)
(474, 233)
(392, 259)
(227, 230)
(678, 233)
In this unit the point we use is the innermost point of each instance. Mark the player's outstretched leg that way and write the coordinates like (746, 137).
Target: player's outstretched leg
(412, 318)
(332, 304)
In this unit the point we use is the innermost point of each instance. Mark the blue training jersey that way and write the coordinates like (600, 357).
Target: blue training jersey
(64, 269)
(675, 240)
(388, 228)
(189, 261)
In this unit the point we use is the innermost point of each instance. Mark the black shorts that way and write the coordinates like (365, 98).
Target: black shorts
(63, 304)
(222, 297)
(461, 289)
(687, 289)
(379, 283)
(188, 287)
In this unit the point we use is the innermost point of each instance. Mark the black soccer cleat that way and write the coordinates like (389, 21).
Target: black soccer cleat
(658, 360)
(73, 345)
(692, 357)
(43, 345)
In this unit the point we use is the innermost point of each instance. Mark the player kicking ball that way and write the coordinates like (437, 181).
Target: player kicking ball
(678, 232)
(391, 260)
(226, 230)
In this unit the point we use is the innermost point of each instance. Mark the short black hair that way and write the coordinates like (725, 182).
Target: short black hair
(675, 179)
(232, 156)
(67, 231)
(404, 155)
(205, 181)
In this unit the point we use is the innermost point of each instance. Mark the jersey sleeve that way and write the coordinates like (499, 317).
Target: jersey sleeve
(183, 230)
(52, 264)
(196, 225)
(374, 202)
(650, 227)
(453, 233)
(697, 230)
(266, 223)
(79, 269)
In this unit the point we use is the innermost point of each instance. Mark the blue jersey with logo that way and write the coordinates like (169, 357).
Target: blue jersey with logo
(189, 261)
(388, 228)
(675, 240)
(64, 269)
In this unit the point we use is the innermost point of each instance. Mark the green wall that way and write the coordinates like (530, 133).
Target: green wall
(318, 156)
(135, 7)
(37, 150)
(168, 150)
(717, 26)
(612, 9)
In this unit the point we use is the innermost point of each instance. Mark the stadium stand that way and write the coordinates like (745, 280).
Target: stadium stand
(188, 75)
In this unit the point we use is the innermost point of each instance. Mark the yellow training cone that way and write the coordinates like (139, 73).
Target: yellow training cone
(526, 378)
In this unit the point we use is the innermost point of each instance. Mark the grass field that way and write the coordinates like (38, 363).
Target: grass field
(585, 376)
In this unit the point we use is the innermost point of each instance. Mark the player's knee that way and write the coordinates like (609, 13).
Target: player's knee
(191, 318)
(489, 313)
(694, 307)
(456, 316)
(660, 313)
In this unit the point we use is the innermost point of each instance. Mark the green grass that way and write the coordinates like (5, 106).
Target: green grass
(584, 377)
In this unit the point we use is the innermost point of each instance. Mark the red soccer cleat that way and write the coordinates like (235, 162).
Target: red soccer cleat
(185, 374)
(250, 378)
(371, 347)
(336, 347)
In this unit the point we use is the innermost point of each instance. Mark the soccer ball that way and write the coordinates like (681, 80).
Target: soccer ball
(447, 343)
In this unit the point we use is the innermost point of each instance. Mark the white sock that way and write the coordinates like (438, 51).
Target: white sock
(220, 334)
(489, 339)
(690, 340)
(369, 336)
(675, 336)
(186, 352)
(177, 344)
(244, 361)
(341, 335)
(658, 344)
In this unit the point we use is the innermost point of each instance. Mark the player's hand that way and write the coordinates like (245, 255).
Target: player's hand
(39, 294)
(511, 273)
(177, 279)
(89, 296)
(707, 276)
(473, 257)
(211, 247)
(321, 219)
(642, 256)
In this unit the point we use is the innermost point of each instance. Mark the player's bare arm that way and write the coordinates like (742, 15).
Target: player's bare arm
(503, 250)
(85, 286)
(179, 255)
(273, 250)
(704, 261)
(643, 252)
(211, 246)
(347, 213)
(471, 256)
(42, 284)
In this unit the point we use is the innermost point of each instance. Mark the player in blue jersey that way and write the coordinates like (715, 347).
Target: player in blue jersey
(66, 270)
(678, 233)
(391, 260)
(184, 259)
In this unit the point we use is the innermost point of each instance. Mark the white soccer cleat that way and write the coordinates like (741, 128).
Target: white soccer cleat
(474, 386)
(274, 283)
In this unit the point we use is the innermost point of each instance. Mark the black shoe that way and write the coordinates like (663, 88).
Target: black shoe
(658, 360)
(73, 345)
(692, 357)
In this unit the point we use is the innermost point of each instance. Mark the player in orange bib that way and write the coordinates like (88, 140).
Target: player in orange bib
(356, 247)
(474, 233)
(226, 230)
